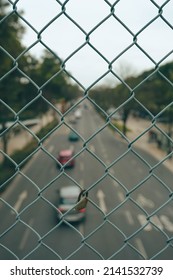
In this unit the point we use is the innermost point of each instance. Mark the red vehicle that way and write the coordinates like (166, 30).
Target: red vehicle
(65, 157)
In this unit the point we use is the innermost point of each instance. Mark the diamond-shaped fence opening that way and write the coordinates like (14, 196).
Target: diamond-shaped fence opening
(74, 113)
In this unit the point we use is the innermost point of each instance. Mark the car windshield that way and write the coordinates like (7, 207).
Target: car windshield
(68, 200)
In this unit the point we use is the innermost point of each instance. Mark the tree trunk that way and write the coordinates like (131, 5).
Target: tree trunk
(4, 142)
(124, 118)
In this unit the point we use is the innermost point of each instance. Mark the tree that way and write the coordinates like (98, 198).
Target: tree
(10, 35)
(152, 91)
(53, 81)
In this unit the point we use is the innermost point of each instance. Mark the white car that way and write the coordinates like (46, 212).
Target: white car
(68, 197)
(78, 114)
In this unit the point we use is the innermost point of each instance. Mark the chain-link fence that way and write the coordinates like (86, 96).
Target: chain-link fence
(118, 148)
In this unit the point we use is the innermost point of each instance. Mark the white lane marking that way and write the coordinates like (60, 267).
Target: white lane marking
(141, 248)
(145, 202)
(20, 200)
(101, 197)
(26, 234)
(121, 196)
(10, 190)
(142, 220)
(167, 223)
(129, 217)
(92, 148)
(157, 222)
(81, 183)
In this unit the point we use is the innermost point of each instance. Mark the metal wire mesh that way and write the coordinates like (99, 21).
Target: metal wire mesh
(104, 227)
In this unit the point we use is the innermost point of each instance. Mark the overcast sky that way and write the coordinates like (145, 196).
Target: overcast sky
(110, 38)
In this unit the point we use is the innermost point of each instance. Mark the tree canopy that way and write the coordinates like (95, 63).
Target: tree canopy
(148, 95)
(27, 85)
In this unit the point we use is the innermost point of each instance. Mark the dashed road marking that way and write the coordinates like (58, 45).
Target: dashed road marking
(81, 182)
(157, 222)
(121, 196)
(162, 222)
(92, 148)
(167, 223)
(101, 198)
(129, 217)
(142, 220)
(141, 248)
(145, 202)
(26, 234)
(19, 202)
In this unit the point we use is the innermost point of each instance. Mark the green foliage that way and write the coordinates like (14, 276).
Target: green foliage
(153, 89)
(10, 34)
(145, 95)
(27, 85)
(25, 81)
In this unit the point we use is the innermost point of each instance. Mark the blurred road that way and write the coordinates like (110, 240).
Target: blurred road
(137, 127)
(122, 193)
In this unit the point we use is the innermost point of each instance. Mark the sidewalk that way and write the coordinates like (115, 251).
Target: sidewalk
(20, 140)
(137, 126)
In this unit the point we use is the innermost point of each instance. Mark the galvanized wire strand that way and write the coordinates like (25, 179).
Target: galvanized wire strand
(9, 251)
(154, 257)
(41, 244)
(88, 246)
(63, 121)
(167, 188)
(9, 180)
(127, 244)
(8, 229)
(159, 7)
(162, 206)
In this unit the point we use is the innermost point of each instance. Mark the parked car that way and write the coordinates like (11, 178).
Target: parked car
(78, 114)
(73, 136)
(68, 196)
(65, 157)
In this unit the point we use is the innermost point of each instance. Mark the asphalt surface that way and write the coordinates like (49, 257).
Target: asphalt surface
(124, 190)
